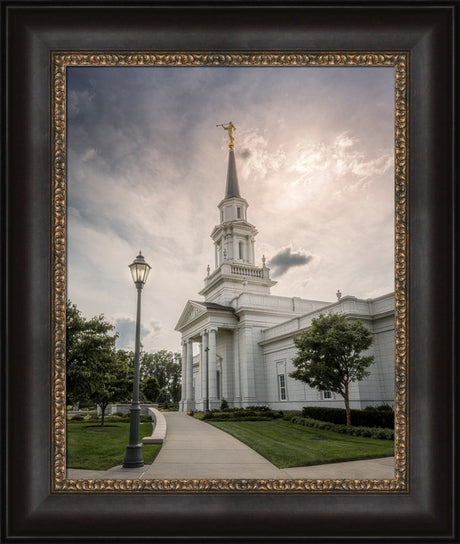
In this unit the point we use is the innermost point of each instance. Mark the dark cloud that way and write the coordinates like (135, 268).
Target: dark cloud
(245, 153)
(285, 259)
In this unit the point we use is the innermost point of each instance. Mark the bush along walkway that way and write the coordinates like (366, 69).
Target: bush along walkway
(383, 416)
(369, 432)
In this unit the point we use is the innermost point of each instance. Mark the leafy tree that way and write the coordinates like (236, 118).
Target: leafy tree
(150, 388)
(96, 372)
(163, 366)
(328, 356)
(115, 384)
(127, 357)
(163, 396)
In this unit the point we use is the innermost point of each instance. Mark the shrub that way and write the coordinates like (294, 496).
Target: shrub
(224, 405)
(369, 417)
(77, 418)
(289, 414)
(253, 413)
(385, 408)
(369, 432)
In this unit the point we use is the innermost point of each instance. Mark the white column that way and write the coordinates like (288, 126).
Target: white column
(247, 367)
(189, 375)
(183, 378)
(227, 369)
(204, 369)
(212, 357)
(236, 369)
(253, 257)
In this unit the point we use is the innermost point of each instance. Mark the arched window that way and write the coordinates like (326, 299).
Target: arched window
(238, 212)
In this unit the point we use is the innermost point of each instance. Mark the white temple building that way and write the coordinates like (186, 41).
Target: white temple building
(245, 335)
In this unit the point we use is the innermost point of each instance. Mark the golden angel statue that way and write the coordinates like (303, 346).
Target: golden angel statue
(230, 127)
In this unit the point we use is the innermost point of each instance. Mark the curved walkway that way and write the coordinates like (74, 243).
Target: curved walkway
(194, 449)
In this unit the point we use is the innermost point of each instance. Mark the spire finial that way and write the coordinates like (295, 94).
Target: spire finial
(230, 127)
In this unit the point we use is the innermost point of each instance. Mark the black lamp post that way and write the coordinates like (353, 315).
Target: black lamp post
(133, 458)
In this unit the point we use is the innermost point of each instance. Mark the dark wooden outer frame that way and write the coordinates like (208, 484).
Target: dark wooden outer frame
(33, 30)
(60, 62)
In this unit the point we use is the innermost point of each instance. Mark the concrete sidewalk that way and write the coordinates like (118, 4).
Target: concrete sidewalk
(194, 449)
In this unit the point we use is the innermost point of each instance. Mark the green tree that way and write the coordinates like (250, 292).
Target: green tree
(163, 366)
(115, 384)
(150, 388)
(329, 355)
(95, 370)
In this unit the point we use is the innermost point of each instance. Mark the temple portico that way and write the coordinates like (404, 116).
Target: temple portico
(206, 372)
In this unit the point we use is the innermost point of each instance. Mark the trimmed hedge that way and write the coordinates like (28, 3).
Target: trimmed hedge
(368, 432)
(360, 418)
(255, 413)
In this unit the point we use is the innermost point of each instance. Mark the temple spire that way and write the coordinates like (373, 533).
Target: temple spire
(232, 188)
(234, 244)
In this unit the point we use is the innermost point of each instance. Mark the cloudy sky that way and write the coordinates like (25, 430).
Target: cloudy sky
(147, 168)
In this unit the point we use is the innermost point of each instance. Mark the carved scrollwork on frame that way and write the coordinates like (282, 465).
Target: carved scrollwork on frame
(60, 62)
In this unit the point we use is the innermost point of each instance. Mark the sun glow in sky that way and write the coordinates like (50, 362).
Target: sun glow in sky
(147, 167)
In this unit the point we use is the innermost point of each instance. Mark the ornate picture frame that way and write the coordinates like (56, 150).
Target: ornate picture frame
(37, 186)
(60, 64)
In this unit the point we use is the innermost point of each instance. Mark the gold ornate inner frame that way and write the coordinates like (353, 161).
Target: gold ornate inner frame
(60, 61)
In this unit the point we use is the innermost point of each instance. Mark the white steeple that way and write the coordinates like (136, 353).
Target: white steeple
(234, 240)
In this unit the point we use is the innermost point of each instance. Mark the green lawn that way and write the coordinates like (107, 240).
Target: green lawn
(100, 448)
(286, 444)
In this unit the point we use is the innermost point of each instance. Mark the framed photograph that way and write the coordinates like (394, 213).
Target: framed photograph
(158, 126)
(333, 176)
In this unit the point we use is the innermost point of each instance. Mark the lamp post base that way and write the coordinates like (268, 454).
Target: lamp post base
(133, 457)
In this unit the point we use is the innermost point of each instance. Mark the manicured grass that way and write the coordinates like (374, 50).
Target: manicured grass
(100, 448)
(289, 445)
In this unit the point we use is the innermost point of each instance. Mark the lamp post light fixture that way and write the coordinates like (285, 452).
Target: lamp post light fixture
(133, 458)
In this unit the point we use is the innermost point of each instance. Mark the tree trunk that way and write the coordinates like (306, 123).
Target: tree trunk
(347, 404)
(102, 415)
